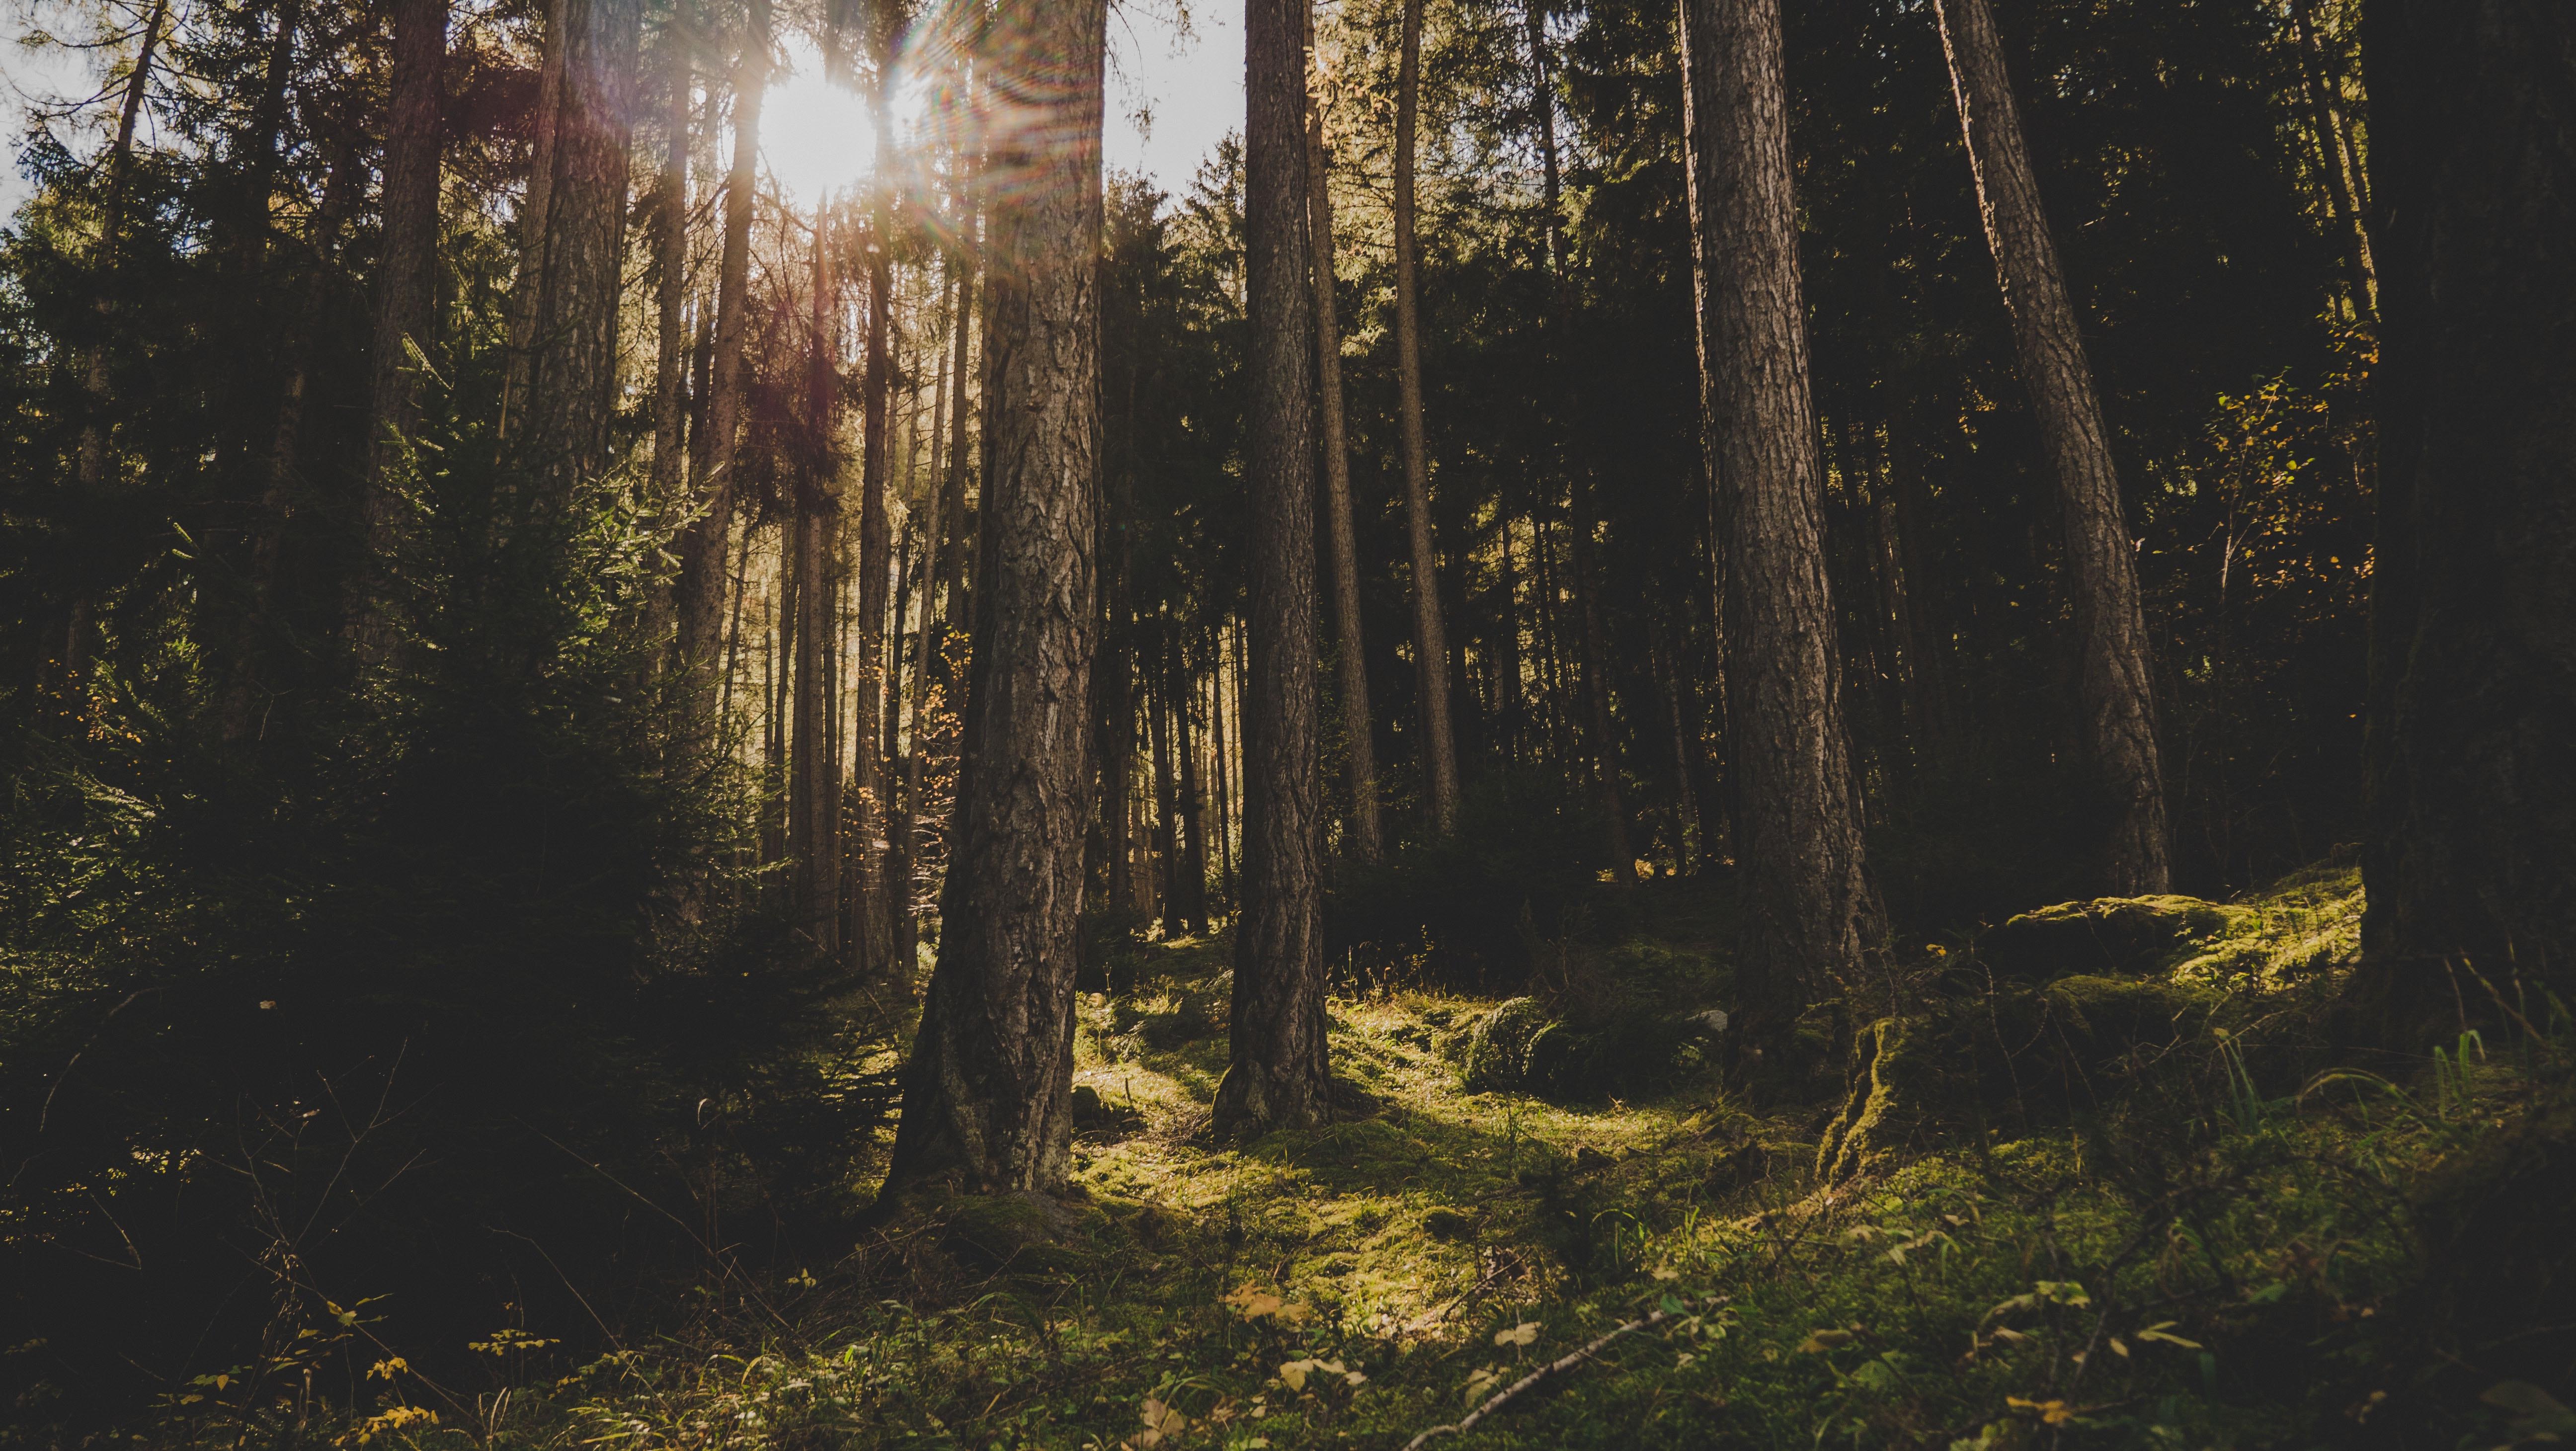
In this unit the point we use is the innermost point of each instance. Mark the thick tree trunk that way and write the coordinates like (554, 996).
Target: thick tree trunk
(1368, 837)
(1278, 1074)
(1811, 917)
(702, 549)
(1430, 630)
(987, 1096)
(2117, 696)
(2471, 860)
(564, 367)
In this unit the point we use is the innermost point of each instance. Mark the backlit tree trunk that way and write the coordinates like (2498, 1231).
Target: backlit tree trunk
(1430, 631)
(813, 781)
(562, 376)
(2471, 859)
(1368, 838)
(1810, 916)
(987, 1095)
(1277, 1074)
(702, 549)
(876, 912)
(671, 292)
(2117, 697)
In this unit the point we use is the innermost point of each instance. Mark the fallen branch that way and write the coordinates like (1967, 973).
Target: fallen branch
(1468, 1423)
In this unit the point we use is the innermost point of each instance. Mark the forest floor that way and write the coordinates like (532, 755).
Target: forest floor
(2229, 1242)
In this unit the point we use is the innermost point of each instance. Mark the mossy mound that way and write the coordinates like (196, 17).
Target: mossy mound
(2109, 935)
(1020, 1233)
(1494, 1054)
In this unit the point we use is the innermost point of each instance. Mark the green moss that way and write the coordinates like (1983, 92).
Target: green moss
(2108, 935)
(1896, 1080)
(1495, 1054)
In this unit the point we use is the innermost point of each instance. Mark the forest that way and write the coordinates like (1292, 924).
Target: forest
(1687, 724)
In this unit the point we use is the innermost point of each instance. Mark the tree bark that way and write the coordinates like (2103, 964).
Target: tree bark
(875, 539)
(702, 549)
(1430, 631)
(564, 366)
(1368, 837)
(2335, 159)
(671, 293)
(812, 780)
(1812, 917)
(2471, 858)
(405, 312)
(2117, 695)
(1277, 1074)
(1611, 798)
(987, 1096)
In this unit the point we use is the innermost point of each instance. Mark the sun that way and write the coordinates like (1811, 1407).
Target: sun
(815, 137)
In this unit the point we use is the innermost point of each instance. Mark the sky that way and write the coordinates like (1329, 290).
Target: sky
(1175, 90)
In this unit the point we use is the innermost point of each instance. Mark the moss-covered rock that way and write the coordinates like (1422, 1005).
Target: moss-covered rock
(2123, 935)
(1495, 1053)
(1019, 1232)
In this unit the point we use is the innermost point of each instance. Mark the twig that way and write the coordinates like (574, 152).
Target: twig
(1468, 1423)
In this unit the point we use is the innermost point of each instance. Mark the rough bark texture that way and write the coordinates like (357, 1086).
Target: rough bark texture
(564, 367)
(1277, 1075)
(1811, 918)
(1430, 631)
(1368, 837)
(2117, 697)
(2471, 860)
(702, 550)
(987, 1095)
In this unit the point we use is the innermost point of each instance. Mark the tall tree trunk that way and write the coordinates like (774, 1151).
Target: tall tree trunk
(671, 293)
(1812, 917)
(813, 781)
(875, 541)
(573, 245)
(405, 313)
(1277, 1073)
(1167, 854)
(1430, 631)
(2117, 695)
(2471, 858)
(2335, 158)
(1194, 853)
(702, 549)
(278, 474)
(1368, 838)
(987, 1095)
(1612, 799)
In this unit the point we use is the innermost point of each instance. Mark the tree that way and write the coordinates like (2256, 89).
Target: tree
(702, 549)
(988, 1091)
(2111, 629)
(563, 367)
(1811, 915)
(1430, 630)
(1277, 1074)
(2471, 859)
(406, 300)
(1359, 726)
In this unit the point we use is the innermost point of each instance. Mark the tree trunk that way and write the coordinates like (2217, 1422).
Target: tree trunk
(1812, 918)
(1368, 838)
(1611, 799)
(875, 546)
(2471, 859)
(1194, 854)
(92, 462)
(278, 475)
(2335, 159)
(573, 244)
(702, 550)
(813, 782)
(1430, 631)
(1167, 854)
(987, 1094)
(2117, 697)
(1277, 1074)
(668, 496)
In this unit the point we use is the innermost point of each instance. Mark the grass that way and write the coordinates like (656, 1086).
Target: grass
(2228, 1256)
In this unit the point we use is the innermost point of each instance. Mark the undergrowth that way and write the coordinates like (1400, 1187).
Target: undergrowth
(2237, 1250)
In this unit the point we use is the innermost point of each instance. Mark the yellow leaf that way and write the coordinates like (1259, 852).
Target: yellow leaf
(1525, 1333)
(2052, 1413)
(1824, 1340)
